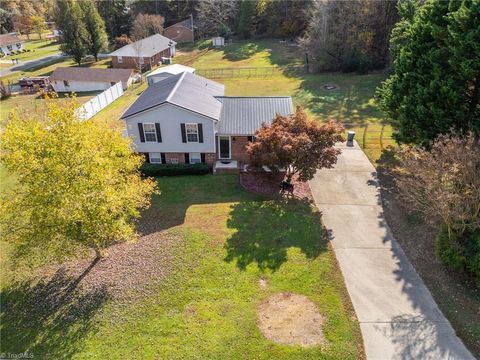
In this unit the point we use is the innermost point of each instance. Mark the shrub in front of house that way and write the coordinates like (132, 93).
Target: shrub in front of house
(174, 169)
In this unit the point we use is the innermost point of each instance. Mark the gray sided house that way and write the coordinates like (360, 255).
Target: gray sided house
(187, 119)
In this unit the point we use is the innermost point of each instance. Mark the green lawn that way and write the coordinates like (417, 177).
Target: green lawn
(38, 49)
(352, 102)
(206, 308)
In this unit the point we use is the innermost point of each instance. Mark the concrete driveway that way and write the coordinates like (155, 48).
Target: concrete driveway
(398, 317)
(25, 65)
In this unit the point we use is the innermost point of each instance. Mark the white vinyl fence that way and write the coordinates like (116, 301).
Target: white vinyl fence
(94, 105)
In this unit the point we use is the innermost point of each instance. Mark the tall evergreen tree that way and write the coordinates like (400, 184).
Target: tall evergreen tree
(436, 82)
(97, 39)
(246, 27)
(116, 16)
(69, 19)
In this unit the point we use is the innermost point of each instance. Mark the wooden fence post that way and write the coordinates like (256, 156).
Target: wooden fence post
(365, 136)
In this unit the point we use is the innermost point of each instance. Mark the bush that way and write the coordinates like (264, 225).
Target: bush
(174, 169)
(460, 252)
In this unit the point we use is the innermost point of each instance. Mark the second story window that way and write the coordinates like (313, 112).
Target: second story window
(149, 131)
(192, 132)
(120, 59)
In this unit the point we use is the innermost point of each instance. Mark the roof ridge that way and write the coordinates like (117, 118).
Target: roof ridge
(179, 81)
(254, 96)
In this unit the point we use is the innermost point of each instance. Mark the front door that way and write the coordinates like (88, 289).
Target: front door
(224, 147)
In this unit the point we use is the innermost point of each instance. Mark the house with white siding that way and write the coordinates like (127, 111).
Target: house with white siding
(186, 118)
(80, 79)
(10, 43)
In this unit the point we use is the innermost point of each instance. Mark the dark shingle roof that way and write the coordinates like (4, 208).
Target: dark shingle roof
(244, 115)
(186, 90)
(146, 47)
(91, 74)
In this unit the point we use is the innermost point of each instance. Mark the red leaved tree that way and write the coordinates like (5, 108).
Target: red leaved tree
(296, 143)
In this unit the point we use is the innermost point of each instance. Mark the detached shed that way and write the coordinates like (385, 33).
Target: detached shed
(79, 79)
(218, 41)
(167, 71)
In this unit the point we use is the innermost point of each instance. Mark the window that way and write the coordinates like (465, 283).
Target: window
(155, 158)
(140, 61)
(19, 45)
(195, 158)
(192, 132)
(150, 133)
(251, 138)
(120, 59)
(66, 83)
(9, 47)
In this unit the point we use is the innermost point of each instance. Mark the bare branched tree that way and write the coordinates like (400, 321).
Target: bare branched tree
(443, 183)
(217, 17)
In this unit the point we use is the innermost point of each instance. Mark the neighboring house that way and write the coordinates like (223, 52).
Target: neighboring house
(80, 79)
(181, 31)
(146, 53)
(187, 119)
(10, 42)
(167, 71)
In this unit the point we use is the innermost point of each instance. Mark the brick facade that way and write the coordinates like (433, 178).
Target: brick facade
(129, 62)
(238, 146)
(180, 157)
(210, 158)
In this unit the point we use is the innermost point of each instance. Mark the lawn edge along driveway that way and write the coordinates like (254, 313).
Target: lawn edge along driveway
(398, 316)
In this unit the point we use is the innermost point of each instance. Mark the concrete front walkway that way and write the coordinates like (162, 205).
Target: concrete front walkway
(398, 317)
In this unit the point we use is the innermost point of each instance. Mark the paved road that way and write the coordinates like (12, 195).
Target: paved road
(25, 65)
(398, 317)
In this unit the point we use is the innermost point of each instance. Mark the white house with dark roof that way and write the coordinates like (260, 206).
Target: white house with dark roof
(187, 119)
(80, 79)
(9, 43)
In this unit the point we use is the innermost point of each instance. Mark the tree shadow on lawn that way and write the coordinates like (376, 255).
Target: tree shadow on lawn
(241, 51)
(49, 318)
(265, 230)
(178, 193)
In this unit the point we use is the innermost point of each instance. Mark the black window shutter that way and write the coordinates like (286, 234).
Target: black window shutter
(202, 156)
(187, 158)
(200, 133)
(162, 155)
(147, 157)
(159, 133)
(184, 134)
(140, 130)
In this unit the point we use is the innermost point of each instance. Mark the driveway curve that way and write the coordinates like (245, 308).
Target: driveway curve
(398, 316)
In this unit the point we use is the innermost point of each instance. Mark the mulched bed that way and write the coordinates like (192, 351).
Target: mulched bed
(267, 184)
(128, 271)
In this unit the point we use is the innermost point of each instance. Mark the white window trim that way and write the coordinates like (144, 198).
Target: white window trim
(190, 157)
(120, 59)
(186, 133)
(145, 134)
(159, 157)
(229, 147)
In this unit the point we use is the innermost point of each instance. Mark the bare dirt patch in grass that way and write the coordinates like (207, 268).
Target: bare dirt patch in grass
(291, 319)
(269, 185)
